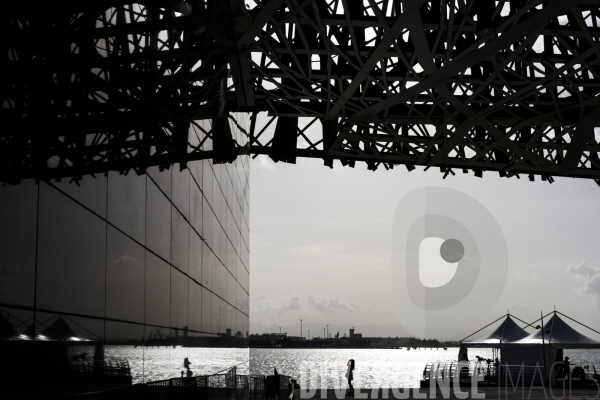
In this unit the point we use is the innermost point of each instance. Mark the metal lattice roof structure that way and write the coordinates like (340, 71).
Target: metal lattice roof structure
(509, 85)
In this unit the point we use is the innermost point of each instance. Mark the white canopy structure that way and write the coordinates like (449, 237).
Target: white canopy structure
(542, 348)
(556, 333)
(508, 331)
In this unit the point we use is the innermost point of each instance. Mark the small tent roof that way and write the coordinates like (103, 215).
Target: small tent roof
(559, 334)
(7, 330)
(60, 330)
(508, 331)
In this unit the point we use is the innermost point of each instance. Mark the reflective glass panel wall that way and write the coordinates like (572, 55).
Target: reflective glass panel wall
(119, 278)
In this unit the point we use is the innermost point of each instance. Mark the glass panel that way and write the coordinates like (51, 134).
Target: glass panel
(195, 307)
(181, 190)
(207, 181)
(230, 260)
(126, 204)
(239, 324)
(158, 222)
(195, 257)
(157, 291)
(217, 203)
(90, 191)
(18, 219)
(157, 354)
(230, 325)
(218, 279)
(69, 352)
(230, 194)
(231, 289)
(196, 172)
(71, 256)
(161, 178)
(207, 297)
(124, 278)
(207, 223)
(17, 353)
(216, 236)
(180, 243)
(124, 346)
(179, 299)
(196, 200)
(222, 316)
(208, 262)
(216, 320)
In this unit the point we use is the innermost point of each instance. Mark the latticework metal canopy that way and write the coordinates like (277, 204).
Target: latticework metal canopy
(509, 86)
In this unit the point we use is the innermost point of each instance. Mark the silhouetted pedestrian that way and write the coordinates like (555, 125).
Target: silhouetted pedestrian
(350, 377)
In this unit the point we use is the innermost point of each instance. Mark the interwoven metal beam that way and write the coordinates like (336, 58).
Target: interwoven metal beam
(475, 85)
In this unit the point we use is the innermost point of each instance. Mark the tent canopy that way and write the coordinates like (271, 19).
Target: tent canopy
(60, 330)
(7, 330)
(508, 331)
(557, 333)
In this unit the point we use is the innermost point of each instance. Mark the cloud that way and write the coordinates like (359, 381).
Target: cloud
(316, 303)
(268, 305)
(587, 275)
(326, 304)
(262, 162)
(293, 303)
(583, 269)
(124, 261)
(523, 305)
(263, 303)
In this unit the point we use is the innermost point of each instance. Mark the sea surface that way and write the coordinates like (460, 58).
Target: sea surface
(158, 363)
(385, 368)
(311, 367)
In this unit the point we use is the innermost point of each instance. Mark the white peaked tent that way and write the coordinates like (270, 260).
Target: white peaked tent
(508, 331)
(557, 333)
(545, 346)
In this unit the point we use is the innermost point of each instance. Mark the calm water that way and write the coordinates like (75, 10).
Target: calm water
(374, 367)
(319, 367)
(157, 363)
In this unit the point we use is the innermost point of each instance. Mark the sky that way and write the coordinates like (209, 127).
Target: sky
(321, 248)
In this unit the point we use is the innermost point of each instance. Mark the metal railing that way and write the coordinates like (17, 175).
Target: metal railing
(491, 373)
(256, 387)
(214, 387)
(225, 386)
(108, 367)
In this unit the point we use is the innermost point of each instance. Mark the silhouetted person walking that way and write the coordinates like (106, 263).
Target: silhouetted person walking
(350, 377)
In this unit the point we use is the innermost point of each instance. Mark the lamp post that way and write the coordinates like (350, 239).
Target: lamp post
(300, 328)
(309, 334)
(280, 331)
(327, 332)
(323, 333)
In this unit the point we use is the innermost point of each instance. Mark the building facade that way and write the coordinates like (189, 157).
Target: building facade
(145, 270)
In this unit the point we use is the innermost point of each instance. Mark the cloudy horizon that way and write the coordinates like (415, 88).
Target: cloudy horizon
(321, 246)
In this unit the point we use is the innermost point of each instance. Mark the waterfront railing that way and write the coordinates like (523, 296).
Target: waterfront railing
(225, 386)
(505, 373)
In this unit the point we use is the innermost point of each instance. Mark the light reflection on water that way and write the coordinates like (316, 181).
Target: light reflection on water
(374, 367)
(326, 367)
(158, 363)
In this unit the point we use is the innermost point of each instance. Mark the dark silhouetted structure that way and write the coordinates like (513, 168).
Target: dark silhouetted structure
(480, 86)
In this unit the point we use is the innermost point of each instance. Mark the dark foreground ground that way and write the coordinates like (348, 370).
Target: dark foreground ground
(537, 393)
